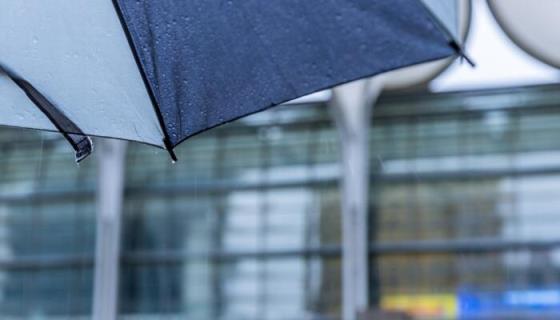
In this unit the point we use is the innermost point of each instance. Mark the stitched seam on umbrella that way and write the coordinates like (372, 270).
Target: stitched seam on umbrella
(121, 12)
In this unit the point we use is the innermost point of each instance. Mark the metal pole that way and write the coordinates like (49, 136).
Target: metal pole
(351, 105)
(109, 208)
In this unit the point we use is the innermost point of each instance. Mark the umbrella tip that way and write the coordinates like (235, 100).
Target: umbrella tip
(461, 52)
(169, 148)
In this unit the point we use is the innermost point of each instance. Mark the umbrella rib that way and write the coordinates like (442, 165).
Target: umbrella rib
(166, 138)
(79, 141)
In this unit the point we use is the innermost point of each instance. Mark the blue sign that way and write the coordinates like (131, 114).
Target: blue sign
(484, 304)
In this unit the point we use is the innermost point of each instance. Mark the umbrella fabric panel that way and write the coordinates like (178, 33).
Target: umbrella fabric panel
(76, 54)
(446, 11)
(212, 61)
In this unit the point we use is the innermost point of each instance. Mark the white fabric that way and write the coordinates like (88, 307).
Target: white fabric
(75, 53)
(447, 12)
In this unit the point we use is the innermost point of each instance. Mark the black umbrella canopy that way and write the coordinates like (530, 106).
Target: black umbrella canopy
(159, 72)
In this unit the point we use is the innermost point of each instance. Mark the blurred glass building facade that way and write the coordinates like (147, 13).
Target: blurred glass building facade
(464, 213)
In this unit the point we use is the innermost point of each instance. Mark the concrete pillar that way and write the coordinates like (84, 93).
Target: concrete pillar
(351, 106)
(111, 155)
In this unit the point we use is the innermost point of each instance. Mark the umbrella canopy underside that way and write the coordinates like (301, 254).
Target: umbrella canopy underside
(159, 72)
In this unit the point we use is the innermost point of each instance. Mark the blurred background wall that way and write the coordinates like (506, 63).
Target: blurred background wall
(464, 209)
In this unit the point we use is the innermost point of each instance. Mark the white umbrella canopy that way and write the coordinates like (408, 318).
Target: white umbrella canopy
(75, 53)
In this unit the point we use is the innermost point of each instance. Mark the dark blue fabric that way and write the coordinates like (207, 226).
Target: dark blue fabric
(212, 61)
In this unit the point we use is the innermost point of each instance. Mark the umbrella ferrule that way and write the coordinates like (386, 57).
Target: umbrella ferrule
(169, 147)
(461, 52)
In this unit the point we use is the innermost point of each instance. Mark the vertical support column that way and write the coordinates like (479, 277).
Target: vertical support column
(351, 107)
(110, 188)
